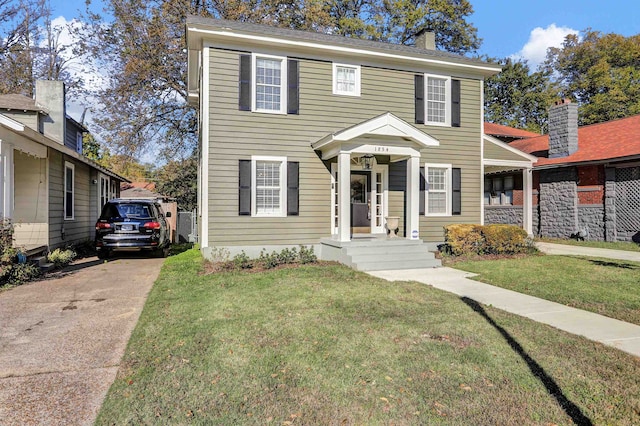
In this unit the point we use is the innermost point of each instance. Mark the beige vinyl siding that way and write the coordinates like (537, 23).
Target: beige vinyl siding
(30, 212)
(496, 152)
(80, 228)
(28, 118)
(235, 134)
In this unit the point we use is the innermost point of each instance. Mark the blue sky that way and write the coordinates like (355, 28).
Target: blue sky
(509, 26)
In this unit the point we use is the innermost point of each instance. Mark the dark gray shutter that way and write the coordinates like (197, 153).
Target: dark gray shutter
(456, 191)
(292, 188)
(423, 188)
(244, 100)
(419, 95)
(244, 208)
(293, 98)
(455, 103)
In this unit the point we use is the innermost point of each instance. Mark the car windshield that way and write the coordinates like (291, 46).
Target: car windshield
(126, 210)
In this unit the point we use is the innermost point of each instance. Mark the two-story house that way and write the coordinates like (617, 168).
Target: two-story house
(50, 191)
(323, 140)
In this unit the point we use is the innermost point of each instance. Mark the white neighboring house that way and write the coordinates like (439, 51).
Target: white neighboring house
(49, 190)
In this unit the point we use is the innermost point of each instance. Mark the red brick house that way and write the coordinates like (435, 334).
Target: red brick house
(586, 182)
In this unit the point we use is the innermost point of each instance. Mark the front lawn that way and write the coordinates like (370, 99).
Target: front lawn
(329, 345)
(613, 245)
(607, 287)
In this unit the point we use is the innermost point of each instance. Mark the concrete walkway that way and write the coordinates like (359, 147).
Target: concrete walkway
(562, 249)
(62, 339)
(612, 332)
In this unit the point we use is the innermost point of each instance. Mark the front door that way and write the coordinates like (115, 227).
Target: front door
(360, 202)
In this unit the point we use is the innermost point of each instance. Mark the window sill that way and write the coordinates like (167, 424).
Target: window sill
(353, 95)
(268, 111)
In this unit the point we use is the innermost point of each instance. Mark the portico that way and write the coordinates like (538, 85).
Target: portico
(365, 148)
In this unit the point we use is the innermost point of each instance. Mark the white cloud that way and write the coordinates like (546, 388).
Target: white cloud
(540, 39)
(81, 68)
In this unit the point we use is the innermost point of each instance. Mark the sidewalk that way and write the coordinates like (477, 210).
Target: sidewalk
(609, 331)
(562, 249)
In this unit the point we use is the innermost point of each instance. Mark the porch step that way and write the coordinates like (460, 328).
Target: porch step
(42, 263)
(381, 254)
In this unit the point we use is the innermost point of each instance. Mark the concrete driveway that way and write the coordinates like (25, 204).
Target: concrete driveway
(62, 339)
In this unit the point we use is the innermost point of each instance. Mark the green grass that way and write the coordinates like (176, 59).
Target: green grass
(613, 245)
(329, 345)
(607, 287)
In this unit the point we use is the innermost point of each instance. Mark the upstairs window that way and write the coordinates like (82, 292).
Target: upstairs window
(438, 93)
(269, 88)
(346, 79)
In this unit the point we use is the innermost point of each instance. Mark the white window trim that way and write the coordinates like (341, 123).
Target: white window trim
(283, 186)
(448, 190)
(68, 165)
(447, 88)
(335, 80)
(283, 83)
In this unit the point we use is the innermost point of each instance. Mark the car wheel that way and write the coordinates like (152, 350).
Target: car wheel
(103, 254)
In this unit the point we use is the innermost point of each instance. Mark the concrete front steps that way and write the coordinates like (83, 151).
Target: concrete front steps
(380, 254)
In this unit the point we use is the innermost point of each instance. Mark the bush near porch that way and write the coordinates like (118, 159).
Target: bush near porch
(469, 239)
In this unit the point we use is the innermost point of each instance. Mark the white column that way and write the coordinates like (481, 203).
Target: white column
(344, 193)
(413, 198)
(527, 201)
(6, 186)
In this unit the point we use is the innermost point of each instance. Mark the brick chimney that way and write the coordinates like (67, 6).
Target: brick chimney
(563, 129)
(51, 95)
(425, 39)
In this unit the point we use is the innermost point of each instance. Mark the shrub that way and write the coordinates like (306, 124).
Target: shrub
(463, 239)
(61, 257)
(306, 255)
(241, 261)
(221, 254)
(269, 260)
(505, 239)
(288, 256)
(12, 272)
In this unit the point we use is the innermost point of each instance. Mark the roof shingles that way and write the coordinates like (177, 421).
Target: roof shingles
(617, 139)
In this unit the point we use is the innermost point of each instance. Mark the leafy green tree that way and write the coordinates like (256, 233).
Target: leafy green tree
(179, 179)
(601, 72)
(519, 98)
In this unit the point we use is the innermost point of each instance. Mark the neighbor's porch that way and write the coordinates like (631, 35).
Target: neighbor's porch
(24, 192)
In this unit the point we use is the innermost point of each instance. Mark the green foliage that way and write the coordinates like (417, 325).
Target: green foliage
(519, 98)
(269, 260)
(242, 261)
(601, 72)
(179, 179)
(12, 272)
(61, 257)
(288, 256)
(306, 255)
(466, 239)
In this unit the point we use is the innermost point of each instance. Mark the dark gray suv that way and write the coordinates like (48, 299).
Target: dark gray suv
(128, 224)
